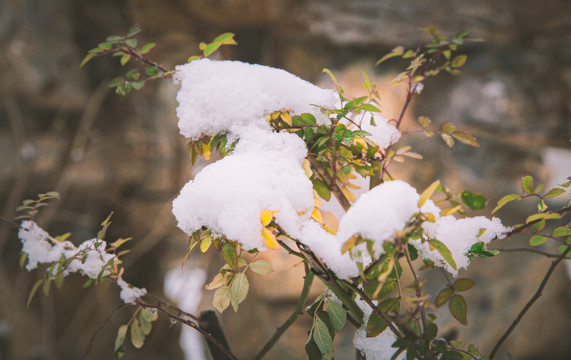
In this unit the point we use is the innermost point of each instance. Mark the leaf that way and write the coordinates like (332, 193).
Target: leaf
(337, 315)
(474, 201)
(375, 326)
(554, 192)
(398, 51)
(561, 231)
(134, 30)
(506, 199)
(424, 121)
(370, 107)
(322, 337)
(537, 240)
(463, 284)
(218, 281)
(239, 290)
(270, 238)
(33, 291)
(137, 335)
(221, 298)
(226, 39)
(146, 325)
(562, 249)
(308, 118)
(261, 267)
(458, 61)
(527, 184)
(286, 118)
(149, 314)
(147, 47)
(449, 140)
(131, 42)
(229, 255)
(311, 349)
(322, 189)
(266, 216)
(448, 128)
(125, 59)
(458, 309)
(205, 244)
(466, 138)
(443, 296)
(544, 216)
(426, 194)
(120, 340)
(194, 57)
(445, 252)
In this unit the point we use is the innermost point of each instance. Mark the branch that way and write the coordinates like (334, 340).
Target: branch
(298, 310)
(329, 181)
(190, 323)
(525, 226)
(530, 302)
(416, 286)
(107, 321)
(529, 250)
(8, 221)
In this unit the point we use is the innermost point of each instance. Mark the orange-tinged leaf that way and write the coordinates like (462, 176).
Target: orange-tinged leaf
(266, 217)
(352, 186)
(270, 238)
(330, 221)
(286, 118)
(347, 245)
(206, 151)
(426, 194)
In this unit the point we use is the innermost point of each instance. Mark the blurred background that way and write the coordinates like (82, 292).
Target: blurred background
(62, 129)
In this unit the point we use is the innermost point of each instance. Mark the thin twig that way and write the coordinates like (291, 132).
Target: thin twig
(329, 181)
(190, 323)
(107, 321)
(6, 220)
(531, 301)
(293, 317)
(416, 286)
(529, 250)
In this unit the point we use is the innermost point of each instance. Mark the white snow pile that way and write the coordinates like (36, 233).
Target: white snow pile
(89, 258)
(265, 170)
(218, 96)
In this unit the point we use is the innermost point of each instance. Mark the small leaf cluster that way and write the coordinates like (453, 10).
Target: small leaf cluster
(140, 327)
(329, 318)
(30, 208)
(207, 145)
(456, 302)
(448, 133)
(208, 49)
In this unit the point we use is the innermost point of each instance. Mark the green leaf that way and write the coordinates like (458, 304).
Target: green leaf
(554, 192)
(322, 189)
(146, 325)
(448, 128)
(33, 291)
(544, 216)
(398, 51)
(120, 340)
(308, 118)
(431, 331)
(452, 355)
(210, 48)
(261, 267)
(147, 47)
(86, 59)
(131, 42)
(47, 283)
(133, 74)
(370, 107)
(458, 61)
(561, 231)
(458, 309)
(506, 199)
(445, 252)
(221, 298)
(113, 38)
(376, 325)
(226, 39)
(194, 57)
(537, 240)
(466, 138)
(239, 290)
(443, 296)
(311, 349)
(138, 85)
(426, 194)
(134, 30)
(463, 284)
(229, 255)
(337, 314)
(149, 314)
(322, 337)
(125, 59)
(474, 201)
(562, 249)
(151, 71)
(527, 184)
(137, 335)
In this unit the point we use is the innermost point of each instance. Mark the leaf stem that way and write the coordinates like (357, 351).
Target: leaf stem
(531, 301)
(293, 317)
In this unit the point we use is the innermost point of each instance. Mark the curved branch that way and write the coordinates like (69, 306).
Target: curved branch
(529, 250)
(531, 301)
(293, 317)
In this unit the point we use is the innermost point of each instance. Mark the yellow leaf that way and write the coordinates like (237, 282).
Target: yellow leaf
(426, 194)
(275, 115)
(331, 222)
(266, 216)
(316, 214)
(270, 238)
(360, 142)
(205, 244)
(347, 245)
(307, 168)
(206, 151)
(451, 210)
(348, 194)
(286, 118)
(351, 176)
(353, 186)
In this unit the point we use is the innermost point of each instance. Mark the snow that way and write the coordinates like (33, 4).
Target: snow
(35, 243)
(382, 132)
(459, 235)
(375, 348)
(129, 293)
(218, 96)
